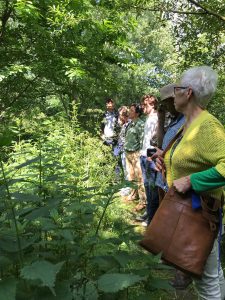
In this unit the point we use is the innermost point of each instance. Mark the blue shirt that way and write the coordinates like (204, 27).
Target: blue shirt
(172, 130)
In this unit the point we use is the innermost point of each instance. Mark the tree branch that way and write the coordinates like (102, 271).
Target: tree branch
(207, 10)
(4, 19)
(185, 12)
(204, 12)
(22, 92)
(170, 11)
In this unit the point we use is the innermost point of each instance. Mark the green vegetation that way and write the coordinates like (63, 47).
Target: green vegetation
(64, 231)
(65, 234)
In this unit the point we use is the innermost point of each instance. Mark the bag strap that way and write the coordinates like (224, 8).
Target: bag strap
(168, 148)
(172, 141)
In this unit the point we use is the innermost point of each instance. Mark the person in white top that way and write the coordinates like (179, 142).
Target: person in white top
(148, 172)
(150, 124)
(109, 124)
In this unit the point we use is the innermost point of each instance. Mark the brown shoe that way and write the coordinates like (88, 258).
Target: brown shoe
(139, 207)
(133, 196)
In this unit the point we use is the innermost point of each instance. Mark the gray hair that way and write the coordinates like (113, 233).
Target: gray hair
(203, 81)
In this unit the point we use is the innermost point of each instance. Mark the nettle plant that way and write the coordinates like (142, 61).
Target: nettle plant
(58, 237)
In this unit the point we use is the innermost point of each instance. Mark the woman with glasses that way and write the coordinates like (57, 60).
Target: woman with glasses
(196, 160)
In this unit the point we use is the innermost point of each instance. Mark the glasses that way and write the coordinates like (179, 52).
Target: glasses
(177, 88)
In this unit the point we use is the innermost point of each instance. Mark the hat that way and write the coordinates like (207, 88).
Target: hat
(167, 91)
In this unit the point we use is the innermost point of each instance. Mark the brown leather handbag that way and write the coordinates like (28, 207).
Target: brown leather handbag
(184, 236)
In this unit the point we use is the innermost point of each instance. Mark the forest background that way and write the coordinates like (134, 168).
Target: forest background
(64, 234)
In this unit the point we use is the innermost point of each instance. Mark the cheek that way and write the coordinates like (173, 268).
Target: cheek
(179, 103)
(178, 99)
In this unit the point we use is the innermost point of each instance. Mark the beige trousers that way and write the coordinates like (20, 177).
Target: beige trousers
(135, 174)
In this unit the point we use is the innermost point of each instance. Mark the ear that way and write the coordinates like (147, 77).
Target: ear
(189, 93)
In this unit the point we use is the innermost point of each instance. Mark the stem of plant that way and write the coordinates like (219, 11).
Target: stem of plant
(103, 213)
(14, 216)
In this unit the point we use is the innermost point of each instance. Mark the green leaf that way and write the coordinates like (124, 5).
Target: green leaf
(146, 295)
(23, 212)
(44, 271)
(8, 243)
(113, 241)
(37, 213)
(4, 262)
(42, 211)
(144, 272)
(125, 258)
(89, 293)
(112, 283)
(5, 140)
(13, 181)
(161, 284)
(6, 137)
(151, 259)
(67, 234)
(27, 163)
(47, 224)
(62, 290)
(8, 289)
(105, 262)
(25, 197)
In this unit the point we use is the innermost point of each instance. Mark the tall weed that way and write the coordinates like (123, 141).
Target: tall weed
(64, 232)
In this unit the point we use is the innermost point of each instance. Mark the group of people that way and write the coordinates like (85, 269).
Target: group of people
(177, 135)
(137, 135)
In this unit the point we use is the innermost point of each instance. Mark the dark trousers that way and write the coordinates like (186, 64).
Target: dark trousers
(149, 177)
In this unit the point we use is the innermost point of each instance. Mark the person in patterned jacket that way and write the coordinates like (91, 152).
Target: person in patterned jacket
(133, 144)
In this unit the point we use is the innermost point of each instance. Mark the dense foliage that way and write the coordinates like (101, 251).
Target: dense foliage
(64, 235)
(83, 50)
(64, 232)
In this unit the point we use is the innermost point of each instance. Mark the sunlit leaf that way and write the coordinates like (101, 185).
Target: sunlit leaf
(44, 271)
(111, 283)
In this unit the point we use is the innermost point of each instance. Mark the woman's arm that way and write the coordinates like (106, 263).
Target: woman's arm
(200, 182)
(207, 180)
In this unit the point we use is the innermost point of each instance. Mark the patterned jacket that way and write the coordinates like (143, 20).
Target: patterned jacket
(134, 135)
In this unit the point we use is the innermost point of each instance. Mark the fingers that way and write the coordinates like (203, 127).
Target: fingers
(157, 154)
(178, 188)
(159, 163)
(154, 155)
(182, 185)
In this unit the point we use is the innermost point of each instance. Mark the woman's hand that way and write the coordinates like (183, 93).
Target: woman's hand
(159, 163)
(182, 185)
(157, 154)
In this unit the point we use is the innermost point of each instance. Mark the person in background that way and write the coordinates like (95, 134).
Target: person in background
(132, 147)
(109, 124)
(119, 149)
(148, 103)
(202, 168)
(167, 132)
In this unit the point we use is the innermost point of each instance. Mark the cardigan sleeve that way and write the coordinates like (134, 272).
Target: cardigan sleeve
(212, 144)
(206, 180)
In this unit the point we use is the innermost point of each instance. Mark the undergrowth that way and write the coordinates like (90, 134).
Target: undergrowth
(65, 234)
